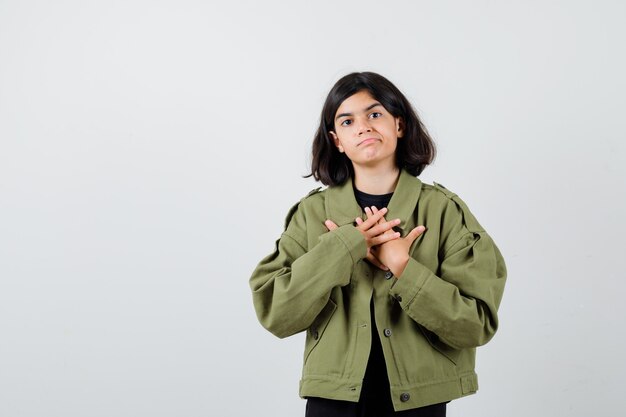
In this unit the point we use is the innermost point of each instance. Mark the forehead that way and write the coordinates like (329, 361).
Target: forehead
(356, 103)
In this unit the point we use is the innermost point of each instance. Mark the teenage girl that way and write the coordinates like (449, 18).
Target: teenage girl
(394, 280)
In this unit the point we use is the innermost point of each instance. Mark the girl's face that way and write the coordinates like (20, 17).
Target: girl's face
(366, 132)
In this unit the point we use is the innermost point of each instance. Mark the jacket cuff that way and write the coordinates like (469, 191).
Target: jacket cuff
(354, 242)
(406, 287)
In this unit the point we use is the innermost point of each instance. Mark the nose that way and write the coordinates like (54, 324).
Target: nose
(363, 126)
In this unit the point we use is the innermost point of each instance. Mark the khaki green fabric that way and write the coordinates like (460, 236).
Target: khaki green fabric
(430, 319)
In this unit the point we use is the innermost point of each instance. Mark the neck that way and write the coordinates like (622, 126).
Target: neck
(376, 180)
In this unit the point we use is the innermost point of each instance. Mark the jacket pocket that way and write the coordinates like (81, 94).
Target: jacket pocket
(315, 332)
(450, 353)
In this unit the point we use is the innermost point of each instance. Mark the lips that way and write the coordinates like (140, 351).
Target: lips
(367, 141)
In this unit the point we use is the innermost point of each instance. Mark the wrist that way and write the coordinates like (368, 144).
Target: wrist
(399, 266)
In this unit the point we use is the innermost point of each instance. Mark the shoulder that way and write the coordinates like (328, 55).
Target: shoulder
(303, 213)
(456, 213)
(437, 192)
(311, 201)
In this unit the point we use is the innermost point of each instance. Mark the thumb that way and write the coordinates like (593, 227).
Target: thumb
(330, 225)
(415, 233)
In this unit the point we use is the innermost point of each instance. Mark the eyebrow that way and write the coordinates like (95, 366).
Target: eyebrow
(370, 107)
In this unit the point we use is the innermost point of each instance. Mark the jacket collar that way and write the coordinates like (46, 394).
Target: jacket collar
(342, 208)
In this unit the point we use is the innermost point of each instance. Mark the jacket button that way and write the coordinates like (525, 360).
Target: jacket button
(405, 397)
(315, 334)
(399, 298)
(388, 275)
(387, 332)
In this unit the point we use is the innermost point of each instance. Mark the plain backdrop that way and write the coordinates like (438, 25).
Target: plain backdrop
(150, 151)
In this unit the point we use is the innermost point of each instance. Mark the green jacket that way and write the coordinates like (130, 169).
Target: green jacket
(430, 319)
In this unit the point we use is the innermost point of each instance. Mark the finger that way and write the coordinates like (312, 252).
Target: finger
(330, 225)
(382, 219)
(359, 221)
(375, 210)
(385, 237)
(373, 219)
(374, 261)
(415, 233)
(382, 227)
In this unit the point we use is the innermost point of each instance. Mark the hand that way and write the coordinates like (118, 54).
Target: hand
(394, 253)
(375, 233)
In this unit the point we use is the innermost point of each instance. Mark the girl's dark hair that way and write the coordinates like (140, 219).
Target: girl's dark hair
(414, 152)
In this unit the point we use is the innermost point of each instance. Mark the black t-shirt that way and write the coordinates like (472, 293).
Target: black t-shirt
(368, 200)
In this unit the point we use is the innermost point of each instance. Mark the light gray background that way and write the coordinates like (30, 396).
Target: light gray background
(151, 149)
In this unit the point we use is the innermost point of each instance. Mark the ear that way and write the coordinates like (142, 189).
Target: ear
(336, 140)
(400, 127)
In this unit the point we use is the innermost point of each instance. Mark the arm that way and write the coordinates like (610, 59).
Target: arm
(291, 286)
(461, 305)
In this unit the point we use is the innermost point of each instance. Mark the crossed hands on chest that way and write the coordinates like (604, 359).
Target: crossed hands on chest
(386, 249)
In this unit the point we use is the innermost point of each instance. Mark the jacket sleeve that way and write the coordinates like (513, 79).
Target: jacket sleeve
(291, 286)
(460, 305)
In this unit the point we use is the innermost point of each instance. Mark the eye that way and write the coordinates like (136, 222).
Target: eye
(375, 115)
(346, 122)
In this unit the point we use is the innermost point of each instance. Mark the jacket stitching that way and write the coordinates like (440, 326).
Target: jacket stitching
(343, 240)
(449, 251)
(295, 240)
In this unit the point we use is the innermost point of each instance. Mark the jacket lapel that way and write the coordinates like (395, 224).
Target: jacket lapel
(404, 200)
(340, 204)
